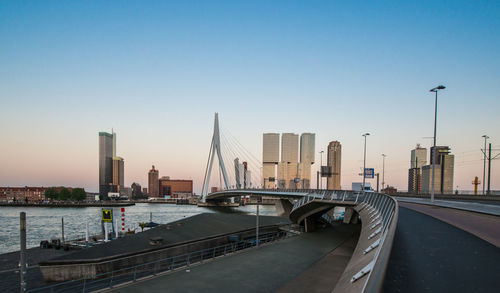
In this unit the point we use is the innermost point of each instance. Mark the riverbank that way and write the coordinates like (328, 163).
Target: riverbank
(68, 205)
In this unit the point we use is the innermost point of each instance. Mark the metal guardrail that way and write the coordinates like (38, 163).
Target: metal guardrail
(331, 195)
(381, 223)
(385, 210)
(134, 273)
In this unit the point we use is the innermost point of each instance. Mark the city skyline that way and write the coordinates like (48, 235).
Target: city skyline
(157, 74)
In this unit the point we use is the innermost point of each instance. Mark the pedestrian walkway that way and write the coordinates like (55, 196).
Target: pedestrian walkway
(256, 270)
(429, 255)
(490, 209)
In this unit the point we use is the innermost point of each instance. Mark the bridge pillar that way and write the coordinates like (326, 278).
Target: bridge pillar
(309, 224)
(283, 207)
(350, 216)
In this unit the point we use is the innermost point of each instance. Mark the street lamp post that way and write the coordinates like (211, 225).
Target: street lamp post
(383, 170)
(320, 173)
(364, 162)
(435, 90)
(484, 165)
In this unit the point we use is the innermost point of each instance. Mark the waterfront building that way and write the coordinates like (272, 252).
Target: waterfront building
(145, 190)
(153, 183)
(415, 180)
(239, 174)
(307, 147)
(291, 173)
(270, 158)
(105, 163)
(175, 188)
(307, 143)
(290, 148)
(282, 175)
(417, 161)
(22, 194)
(418, 157)
(444, 172)
(287, 173)
(136, 189)
(118, 174)
(27, 193)
(304, 175)
(248, 179)
(334, 160)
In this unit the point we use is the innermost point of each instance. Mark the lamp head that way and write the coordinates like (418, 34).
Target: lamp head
(439, 87)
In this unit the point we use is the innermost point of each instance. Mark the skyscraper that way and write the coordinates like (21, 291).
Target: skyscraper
(307, 146)
(307, 141)
(153, 182)
(270, 157)
(443, 178)
(418, 157)
(334, 160)
(290, 159)
(105, 163)
(289, 148)
(417, 161)
(291, 173)
(239, 173)
(118, 174)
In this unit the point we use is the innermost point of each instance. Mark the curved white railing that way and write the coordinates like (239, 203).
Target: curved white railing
(379, 213)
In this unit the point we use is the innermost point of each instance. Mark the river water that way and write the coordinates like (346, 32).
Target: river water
(43, 223)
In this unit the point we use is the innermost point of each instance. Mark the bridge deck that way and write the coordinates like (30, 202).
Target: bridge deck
(429, 255)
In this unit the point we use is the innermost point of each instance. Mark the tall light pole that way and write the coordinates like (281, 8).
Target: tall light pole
(321, 174)
(435, 90)
(364, 162)
(484, 165)
(383, 170)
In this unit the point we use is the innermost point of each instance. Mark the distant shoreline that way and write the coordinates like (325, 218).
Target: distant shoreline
(67, 205)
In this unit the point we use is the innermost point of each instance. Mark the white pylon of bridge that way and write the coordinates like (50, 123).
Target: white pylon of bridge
(214, 149)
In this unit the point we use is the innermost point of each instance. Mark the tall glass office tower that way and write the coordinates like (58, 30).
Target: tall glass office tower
(105, 163)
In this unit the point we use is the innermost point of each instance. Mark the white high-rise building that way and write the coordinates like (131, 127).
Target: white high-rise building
(270, 157)
(290, 148)
(307, 141)
(239, 173)
(418, 157)
(271, 148)
(307, 146)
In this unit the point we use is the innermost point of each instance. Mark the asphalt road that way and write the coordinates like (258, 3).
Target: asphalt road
(429, 255)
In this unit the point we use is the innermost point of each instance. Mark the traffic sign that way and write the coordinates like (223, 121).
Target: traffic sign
(369, 173)
(107, 215)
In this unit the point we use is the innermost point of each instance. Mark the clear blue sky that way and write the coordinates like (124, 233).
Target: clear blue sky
(157, 71)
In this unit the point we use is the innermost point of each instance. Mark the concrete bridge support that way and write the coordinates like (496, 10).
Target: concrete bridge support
(309, 224)
(283, 207)
(350, 216)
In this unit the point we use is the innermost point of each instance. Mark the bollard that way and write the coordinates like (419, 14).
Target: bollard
(62, 226)
(22, 254)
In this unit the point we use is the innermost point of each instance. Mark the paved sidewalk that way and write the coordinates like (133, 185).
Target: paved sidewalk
(460, 205)
(257, 270)
(483, 226)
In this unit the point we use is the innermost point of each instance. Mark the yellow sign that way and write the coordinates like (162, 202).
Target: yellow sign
(107, 216)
